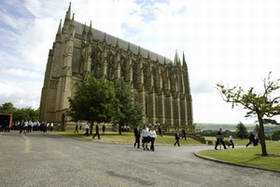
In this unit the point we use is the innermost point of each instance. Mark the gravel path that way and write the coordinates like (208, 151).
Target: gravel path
(46, 160)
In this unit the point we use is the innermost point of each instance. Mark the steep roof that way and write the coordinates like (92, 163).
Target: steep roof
(111, 40)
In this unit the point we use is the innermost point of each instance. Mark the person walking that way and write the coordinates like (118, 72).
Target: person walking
(96, 132)
(220, 139)
(76, 128)
(177, 139)
(87, 129)
(230, 140)
(184, 134)
(137, 135)
(153, 136)
(51, 126)
(103, 129)
(145, 138)
(251, 139)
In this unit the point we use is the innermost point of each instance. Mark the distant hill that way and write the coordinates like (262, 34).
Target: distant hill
(216, 126)
(269, 129)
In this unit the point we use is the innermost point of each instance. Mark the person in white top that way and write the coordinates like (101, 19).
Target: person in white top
(230, 140)
(153, 136)
(145, 138)
(51, 126)
(87, 129)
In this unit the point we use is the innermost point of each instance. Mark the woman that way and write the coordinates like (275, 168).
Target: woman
(153, 136)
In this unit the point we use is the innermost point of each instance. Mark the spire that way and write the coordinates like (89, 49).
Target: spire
(186, 76)
(184, 61)
(73, 18)
(104, 38)
(58, 34)
(68, 13)
(139, 52)
(84, 32)
(117, 43)
(89, 34)
(176, 59)
(59, 27)
(128, 46)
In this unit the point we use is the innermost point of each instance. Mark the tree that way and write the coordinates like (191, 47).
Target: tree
(127, 110)
(7, 108)
(275, 135)
(265, 104)
(94, 101)
(241, 131)
(20, 114)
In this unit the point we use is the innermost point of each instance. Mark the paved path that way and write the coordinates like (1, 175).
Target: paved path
(44, 160)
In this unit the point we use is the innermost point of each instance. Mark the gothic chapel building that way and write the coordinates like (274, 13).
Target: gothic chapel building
(161, 86)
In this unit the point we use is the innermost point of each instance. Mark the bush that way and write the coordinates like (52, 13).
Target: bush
(276, 135)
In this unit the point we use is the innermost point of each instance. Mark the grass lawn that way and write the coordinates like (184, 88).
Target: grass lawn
(125, 138)
(250, 156)
(236, 141)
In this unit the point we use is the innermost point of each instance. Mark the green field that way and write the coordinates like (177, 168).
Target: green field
(125, 138)
(237, 142)
(250, 156)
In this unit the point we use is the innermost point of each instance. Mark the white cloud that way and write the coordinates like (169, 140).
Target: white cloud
(231, 42)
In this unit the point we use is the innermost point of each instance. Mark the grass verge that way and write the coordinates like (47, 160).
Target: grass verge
(250, 156)
(125, 138)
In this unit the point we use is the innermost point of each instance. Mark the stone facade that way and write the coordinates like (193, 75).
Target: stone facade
(161, 85)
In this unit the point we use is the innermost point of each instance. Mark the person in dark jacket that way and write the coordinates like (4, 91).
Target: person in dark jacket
(251, 139)
(184, 134)
(177, 139)
(220, 139)
(137, 135)
(96, 132)
(103, 129)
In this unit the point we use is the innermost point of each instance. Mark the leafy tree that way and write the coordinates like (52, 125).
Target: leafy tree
(265, 104)
(270, 121)
(128, 111)
(275, 135)
(94, 101)
(7, 108)
(20, 114)
(241, 131)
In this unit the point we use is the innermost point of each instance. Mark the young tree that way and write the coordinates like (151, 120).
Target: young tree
(241, 131)
(265, 104)
(128, 111)
(94, 101)
(7, 108)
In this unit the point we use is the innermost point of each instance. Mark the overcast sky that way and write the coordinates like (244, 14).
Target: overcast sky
(225, 41)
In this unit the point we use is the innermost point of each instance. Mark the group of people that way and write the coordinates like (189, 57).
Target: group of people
(148, 136)
(27, 126)
(253, 139)
(220, 140)
(178, 136)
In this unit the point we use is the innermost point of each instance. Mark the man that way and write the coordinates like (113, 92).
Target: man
(137, 136)
(251, 139)
(103, 129)
(184, 134)
(220, 139)
(76, 127)
(177, 139)
(96, 132)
